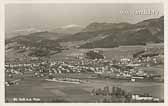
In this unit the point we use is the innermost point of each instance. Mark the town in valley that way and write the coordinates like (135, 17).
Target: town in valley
(103, 62)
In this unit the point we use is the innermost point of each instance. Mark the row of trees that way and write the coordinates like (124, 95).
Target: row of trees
(115, 91)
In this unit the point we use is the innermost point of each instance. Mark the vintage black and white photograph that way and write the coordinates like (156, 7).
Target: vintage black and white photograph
(84, 53)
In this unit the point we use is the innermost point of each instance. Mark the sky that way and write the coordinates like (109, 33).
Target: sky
(24, 16)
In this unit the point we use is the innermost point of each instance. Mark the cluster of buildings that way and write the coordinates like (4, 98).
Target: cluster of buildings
(124, 68)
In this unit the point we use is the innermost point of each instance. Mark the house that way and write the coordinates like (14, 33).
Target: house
(143, 98)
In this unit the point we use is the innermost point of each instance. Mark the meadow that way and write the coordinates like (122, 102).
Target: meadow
(49, 91)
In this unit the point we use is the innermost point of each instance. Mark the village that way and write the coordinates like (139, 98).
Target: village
(80, 70)
(125, 68)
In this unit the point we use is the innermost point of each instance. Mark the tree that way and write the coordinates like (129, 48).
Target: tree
(94, 55)
(50, 76)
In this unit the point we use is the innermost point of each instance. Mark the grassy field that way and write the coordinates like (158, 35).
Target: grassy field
(157, 70)
(49, 91)
(110, 53)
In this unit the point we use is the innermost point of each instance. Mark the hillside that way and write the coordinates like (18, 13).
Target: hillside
(36, 44)
(95, 35)
(107, 35)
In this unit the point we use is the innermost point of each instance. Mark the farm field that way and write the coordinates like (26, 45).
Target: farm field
(109, 53)
(49, 91)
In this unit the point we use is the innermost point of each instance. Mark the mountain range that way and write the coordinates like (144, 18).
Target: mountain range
(95, 35)
(107, 35)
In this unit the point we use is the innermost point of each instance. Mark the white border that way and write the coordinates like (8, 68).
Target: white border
(2, 20)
